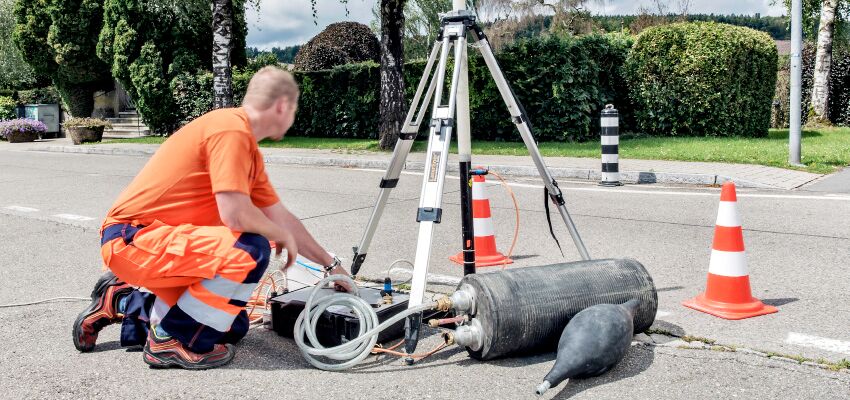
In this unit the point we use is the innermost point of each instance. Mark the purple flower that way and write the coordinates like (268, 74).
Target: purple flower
(23, 125)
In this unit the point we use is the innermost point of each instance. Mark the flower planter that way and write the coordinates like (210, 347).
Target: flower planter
(21, 137)
(82, 134)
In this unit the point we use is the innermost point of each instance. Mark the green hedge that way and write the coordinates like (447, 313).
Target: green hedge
(562, 82)
(702, 79)
(341, 102)
(45, 95)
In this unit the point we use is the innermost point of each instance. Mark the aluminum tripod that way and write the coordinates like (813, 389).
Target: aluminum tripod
(453, 33)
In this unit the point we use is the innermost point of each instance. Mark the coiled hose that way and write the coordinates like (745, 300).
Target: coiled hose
(353, 351)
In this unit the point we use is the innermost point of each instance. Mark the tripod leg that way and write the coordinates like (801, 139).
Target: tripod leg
(429, 212)
(402, 148)
(520, 118)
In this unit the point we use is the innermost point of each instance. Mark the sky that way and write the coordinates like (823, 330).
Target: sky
(281, 23)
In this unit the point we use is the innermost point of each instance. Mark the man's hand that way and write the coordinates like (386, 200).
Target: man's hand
(287, 242)
(342, 286)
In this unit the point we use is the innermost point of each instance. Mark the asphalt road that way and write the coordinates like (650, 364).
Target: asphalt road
(51, 205)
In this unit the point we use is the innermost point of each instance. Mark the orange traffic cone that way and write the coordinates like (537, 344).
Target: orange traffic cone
(727, 292)
(485, 239)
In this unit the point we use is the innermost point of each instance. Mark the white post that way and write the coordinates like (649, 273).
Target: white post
(794, 134)
(464, 144)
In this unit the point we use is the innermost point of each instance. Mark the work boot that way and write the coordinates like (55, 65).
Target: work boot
(102, 311)
(167, 352)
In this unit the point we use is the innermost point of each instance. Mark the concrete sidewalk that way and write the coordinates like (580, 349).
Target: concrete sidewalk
(632, 171)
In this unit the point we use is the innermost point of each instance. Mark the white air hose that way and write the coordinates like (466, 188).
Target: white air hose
(353, 351)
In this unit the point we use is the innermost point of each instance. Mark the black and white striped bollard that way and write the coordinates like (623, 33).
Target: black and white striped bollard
(610, 146)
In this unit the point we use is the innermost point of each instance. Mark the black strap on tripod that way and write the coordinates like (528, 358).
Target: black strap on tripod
(549, 218)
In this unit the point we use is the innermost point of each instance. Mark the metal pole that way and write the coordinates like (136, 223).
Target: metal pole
(796, 78)
(464, 152)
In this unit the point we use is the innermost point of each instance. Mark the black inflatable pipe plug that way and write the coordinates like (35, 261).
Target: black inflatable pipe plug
(593, 341)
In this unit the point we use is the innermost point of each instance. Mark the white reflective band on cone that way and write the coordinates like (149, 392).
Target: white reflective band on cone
(482, 226)
(728, 263)
(727, 214)
(478, 191)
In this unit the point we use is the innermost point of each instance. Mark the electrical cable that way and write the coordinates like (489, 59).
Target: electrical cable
(390, 269)
(308, 267)
(355, 350)
(516, 209)
(45, 301)
(417, 357)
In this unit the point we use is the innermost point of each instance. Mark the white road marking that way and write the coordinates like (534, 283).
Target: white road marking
(711, 194)
(21, 208)
(73, 217)
(662, 314)
(835, 346)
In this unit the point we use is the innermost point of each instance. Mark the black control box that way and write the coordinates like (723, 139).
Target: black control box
(337, 324)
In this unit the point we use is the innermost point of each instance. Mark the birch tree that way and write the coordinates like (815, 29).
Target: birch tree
(222, 27)
(823, 62)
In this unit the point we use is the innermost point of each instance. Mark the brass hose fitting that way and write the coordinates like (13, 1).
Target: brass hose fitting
(444, 304)
(448, 338)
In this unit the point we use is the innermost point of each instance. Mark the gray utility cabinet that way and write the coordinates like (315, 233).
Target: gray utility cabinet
(46, 113)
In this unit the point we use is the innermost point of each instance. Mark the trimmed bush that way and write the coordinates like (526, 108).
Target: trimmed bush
(705, 79)
(153, 91)
(7, 108)
(340, 43)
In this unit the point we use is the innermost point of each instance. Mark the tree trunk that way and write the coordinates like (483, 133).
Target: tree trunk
(392, 81)
(823, 62)
(222, 26)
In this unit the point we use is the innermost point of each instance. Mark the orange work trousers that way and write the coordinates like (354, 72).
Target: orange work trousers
(204, 275)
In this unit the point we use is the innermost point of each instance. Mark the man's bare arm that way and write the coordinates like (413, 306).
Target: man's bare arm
(307, 245)
(238, 213)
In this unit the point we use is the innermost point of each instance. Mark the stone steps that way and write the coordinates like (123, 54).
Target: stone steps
(126, 125)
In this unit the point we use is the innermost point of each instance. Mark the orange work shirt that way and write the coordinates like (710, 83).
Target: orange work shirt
(214, 153)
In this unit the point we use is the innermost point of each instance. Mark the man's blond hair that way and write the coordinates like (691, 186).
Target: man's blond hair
(268, 85)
